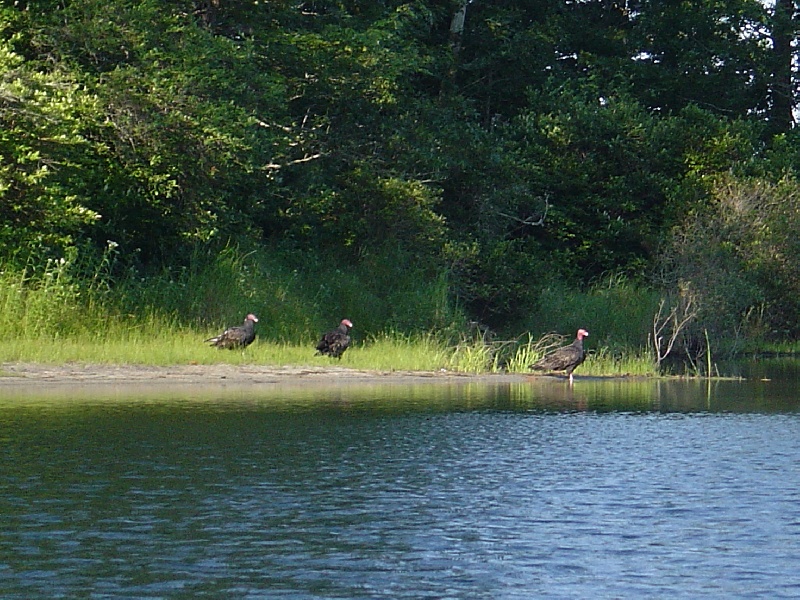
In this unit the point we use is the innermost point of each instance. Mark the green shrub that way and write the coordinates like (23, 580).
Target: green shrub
(740, 258)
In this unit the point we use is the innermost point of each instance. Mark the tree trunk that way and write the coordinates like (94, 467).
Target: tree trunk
(456, 36)
(781, 116)
(457, 28)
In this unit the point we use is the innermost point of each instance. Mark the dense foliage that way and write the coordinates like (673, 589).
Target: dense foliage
(501, 149)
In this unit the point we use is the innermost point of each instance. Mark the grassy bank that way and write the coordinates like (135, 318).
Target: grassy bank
(404, 318)
(388, 353)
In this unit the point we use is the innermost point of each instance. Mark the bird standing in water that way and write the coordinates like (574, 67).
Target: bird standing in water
(564, 359)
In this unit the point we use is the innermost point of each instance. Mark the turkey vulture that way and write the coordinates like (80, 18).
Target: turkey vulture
(566, 358)
(240, 336)
(336, 341)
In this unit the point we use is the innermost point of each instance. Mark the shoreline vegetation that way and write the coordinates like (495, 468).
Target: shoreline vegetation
(385, 354)
(72, 312)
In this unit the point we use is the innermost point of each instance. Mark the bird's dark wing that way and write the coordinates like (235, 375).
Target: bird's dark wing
(325, 343)
(333, 343)
(340, 344)
(562, 359)
(234, 337)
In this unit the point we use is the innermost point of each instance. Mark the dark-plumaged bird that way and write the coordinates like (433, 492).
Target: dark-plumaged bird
(564, 359)
(336, 341)
(239, 336)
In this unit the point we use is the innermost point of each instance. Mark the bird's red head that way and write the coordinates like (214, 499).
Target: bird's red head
(347, 322)
(582, 333)
(251, 317)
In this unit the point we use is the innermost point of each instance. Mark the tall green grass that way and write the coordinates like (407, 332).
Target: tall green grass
(294, 301)
(617, 313)
(600, 361)
(69, 310)
(45, 304)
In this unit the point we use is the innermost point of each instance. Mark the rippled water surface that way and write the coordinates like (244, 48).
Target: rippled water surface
(602, 490)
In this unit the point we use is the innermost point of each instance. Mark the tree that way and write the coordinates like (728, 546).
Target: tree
(738, 256)
(43, 139)
(782, 87)
(187, 125)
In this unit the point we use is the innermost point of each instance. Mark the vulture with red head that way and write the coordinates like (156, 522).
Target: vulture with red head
(564, 359)
(336, 341)
(239, 336)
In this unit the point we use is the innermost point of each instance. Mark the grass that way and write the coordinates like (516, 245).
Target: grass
(601, 361)
(616, 312)
(68, 311)
(784, 348)
(53, 317)
(187, 347)
(604, 362)
(385, 353)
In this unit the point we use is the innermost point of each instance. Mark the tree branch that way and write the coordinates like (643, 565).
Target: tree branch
(276, 166)
(533, 222)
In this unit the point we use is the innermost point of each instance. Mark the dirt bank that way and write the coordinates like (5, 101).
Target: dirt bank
(28, 374)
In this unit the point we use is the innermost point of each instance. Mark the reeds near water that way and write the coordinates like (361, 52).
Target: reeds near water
(66, 311)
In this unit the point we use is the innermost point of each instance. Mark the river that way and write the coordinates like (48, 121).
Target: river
(605, 489)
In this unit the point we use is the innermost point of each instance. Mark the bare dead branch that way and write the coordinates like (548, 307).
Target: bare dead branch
(266, 125)
(276, 166)
(531, 220)
(667, 326)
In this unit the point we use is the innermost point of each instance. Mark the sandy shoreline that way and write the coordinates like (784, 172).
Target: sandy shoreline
(36, 374)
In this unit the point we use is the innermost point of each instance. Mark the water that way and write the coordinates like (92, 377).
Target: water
(604, 490)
